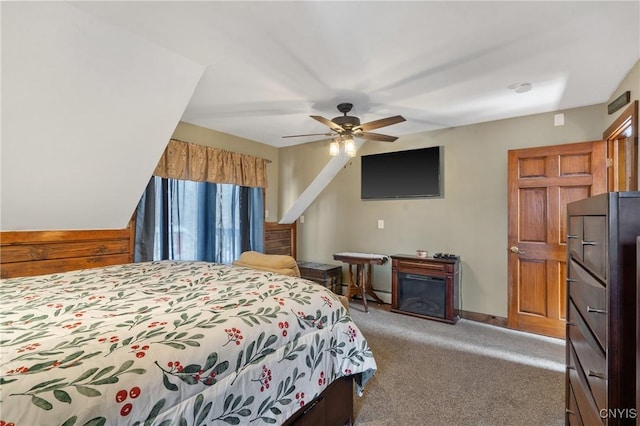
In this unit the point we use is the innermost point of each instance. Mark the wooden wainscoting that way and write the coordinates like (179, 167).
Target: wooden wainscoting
(280, 239)
(28, 253)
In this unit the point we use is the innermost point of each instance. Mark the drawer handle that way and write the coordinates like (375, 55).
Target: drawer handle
(591, 373)
(569, 323)
(571, 280)
(311, 407)
(566, 410)
(572, 237)
(596, 310)
(589, 243)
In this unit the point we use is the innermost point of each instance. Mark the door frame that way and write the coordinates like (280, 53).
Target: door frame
(622, 151)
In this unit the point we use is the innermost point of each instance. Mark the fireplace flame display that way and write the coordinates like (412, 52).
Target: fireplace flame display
(421, 294)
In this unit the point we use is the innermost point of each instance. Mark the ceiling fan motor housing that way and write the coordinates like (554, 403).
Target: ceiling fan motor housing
(346, 121)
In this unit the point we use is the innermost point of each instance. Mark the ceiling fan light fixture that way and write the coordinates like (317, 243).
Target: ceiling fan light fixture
(334, 148)
(350, 146)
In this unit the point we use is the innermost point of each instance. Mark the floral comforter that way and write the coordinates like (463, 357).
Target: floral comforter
(170, 343)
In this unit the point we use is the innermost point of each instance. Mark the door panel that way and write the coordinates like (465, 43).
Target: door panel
(532, 292)
(532, 224)
(541, 182)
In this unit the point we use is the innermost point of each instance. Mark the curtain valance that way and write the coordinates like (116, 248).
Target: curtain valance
(188, 161)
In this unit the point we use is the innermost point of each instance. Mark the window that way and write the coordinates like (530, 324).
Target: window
(187, 220)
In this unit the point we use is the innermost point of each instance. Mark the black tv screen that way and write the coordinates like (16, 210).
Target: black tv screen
(402, 174)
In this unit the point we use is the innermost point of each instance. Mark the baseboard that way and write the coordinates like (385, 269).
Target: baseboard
(484, 318)
(471, 316)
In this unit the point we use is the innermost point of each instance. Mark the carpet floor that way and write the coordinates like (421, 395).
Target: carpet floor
(432, 373)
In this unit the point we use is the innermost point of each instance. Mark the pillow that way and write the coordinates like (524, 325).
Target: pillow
(278, 263)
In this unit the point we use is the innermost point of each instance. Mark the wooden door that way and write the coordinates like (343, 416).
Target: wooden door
(541, 182)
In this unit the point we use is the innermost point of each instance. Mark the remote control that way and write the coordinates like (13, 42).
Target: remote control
(445, 256)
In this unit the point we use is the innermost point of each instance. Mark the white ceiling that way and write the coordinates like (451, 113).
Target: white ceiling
(269, 65)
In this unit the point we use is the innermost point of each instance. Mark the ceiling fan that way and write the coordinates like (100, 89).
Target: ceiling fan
(344, 128)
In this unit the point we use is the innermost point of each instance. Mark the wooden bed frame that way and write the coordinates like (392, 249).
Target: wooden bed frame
(333, 407)
(280, 239)
(29, 253)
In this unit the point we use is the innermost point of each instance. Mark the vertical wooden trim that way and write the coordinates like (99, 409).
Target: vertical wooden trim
(294, 240)
(512, 237)
(599, 167)
(622, 151)
(132, 235)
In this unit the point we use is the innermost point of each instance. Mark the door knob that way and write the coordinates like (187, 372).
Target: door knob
(515, 249)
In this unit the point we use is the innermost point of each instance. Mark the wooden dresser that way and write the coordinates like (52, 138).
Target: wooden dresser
(601, 309)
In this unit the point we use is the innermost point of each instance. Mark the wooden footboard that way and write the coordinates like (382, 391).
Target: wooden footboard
(333, 407)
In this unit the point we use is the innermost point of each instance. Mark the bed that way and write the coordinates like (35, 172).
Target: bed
(174, 343)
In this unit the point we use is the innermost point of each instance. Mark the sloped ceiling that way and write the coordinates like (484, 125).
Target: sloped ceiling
(91, 91)
(87, 109)
(271, 64)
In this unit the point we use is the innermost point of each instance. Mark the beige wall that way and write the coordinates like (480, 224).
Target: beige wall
(470, 220)
(202, 136)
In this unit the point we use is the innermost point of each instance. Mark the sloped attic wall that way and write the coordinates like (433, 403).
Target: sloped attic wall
(87, 110)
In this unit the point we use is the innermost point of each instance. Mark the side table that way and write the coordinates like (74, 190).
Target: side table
(329, 276)
(361, 283)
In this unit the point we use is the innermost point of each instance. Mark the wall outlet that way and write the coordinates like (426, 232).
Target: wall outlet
(266, 214)
(558, 120)
(380, 224)
(301, 219)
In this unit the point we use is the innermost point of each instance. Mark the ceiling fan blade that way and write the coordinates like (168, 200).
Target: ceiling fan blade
(380, 123)
(309, 134)
(327, 122)
(375, 137)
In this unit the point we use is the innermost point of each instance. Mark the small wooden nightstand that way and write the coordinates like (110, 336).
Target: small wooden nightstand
(329, 276)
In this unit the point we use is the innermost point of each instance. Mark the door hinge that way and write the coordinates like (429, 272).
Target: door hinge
(609, 162)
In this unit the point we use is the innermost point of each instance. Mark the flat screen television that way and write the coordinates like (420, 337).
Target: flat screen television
(414, 173)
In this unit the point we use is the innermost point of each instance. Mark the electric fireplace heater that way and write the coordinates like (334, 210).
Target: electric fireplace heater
(422, 294)
(425, 287)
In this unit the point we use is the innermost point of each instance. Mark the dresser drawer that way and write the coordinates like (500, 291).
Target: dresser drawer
(575, 236)
(313, 415)
(572, 412)
(590, 298)
(594, 250)
(586, 406)
(587, 242)
(591, 359)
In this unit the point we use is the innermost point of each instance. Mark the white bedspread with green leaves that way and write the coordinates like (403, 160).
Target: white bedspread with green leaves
(170, 343)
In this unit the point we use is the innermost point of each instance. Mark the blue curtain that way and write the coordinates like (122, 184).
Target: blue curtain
(186, 220)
